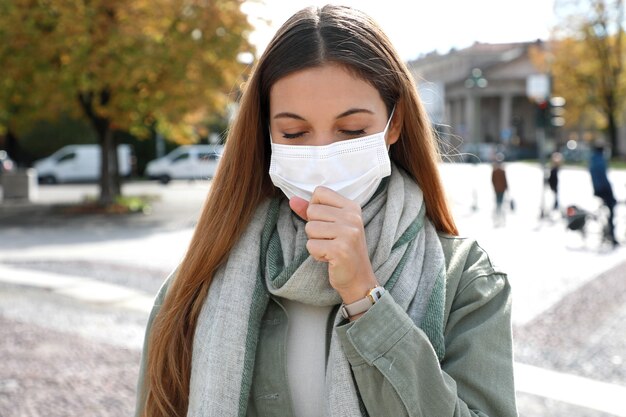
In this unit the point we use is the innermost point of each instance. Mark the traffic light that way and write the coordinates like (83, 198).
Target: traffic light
(542, 111)
(557, 111)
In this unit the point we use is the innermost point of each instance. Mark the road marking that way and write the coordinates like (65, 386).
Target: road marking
(80, 288)
(572, 389)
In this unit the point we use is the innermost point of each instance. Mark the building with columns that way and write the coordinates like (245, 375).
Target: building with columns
(478, 95)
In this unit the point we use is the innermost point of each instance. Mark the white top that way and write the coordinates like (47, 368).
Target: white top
(306, 356)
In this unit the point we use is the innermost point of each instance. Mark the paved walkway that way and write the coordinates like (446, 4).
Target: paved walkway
(47, 372)
(89, 283)
(569, 359)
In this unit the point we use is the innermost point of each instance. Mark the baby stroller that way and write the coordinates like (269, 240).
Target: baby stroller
(588, 223)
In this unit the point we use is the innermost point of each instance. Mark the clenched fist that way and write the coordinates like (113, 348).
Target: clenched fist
(337, 236)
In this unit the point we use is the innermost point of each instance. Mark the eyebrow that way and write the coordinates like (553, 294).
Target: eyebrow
(288, 115)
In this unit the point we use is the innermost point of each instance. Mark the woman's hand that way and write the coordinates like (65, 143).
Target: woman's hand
(337, 236)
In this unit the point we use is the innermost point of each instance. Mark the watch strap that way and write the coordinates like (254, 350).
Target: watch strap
(362, 305)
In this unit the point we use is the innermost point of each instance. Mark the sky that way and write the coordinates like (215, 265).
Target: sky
(417, 27)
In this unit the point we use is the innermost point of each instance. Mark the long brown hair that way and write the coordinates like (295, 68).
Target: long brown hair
(312, 37)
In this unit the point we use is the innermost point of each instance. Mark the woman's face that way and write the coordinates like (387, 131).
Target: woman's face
(321, 105)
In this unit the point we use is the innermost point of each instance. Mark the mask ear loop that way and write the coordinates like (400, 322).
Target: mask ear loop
(387, 127)
(390, 117)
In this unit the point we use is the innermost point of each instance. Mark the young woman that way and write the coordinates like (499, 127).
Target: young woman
(324, 277)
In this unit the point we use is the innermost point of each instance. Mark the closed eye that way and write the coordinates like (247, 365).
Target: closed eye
(293, 135)
(353, 132)
(297, 135)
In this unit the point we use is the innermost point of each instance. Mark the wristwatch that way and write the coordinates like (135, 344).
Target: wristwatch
(364, 304)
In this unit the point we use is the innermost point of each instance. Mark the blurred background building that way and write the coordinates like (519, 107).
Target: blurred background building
(479, 100)
(477, 96)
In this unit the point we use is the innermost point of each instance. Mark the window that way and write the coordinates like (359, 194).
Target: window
(207, 157)
(181, 157)
(66, 157)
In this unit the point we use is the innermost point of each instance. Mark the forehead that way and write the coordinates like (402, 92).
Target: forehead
(330, 87)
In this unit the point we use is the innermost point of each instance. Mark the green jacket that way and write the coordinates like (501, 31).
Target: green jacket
(394, 364)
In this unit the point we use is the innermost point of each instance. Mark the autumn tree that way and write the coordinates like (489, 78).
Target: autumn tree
(141, 64)
(587, 62)
(27, 80)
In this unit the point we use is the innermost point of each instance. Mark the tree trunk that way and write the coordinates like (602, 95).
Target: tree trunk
(613, 136)
(108, 190)
(109, 177)
(109, 174)
(13, 147)
(115, 164)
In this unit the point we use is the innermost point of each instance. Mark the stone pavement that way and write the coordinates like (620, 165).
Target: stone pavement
(76, 360)
(576, 350)
(88, 282)
(43, 377)
(68, 348)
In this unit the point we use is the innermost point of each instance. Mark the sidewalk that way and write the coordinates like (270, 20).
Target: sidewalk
(571, 357)
(89, 282)
(569, 360)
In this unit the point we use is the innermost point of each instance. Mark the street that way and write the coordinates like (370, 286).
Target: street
(569, 302)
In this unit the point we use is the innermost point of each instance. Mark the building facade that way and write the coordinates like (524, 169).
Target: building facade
(477, 97)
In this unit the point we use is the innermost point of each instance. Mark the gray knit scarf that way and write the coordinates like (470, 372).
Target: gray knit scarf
(271, 258)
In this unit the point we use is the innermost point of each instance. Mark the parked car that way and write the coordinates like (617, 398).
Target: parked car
(186, 162)
(6, 163)
(79, 163)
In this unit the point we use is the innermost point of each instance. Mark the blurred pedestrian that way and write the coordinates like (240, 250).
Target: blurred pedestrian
(316, 282)
(553, 178)
(500, 186)
(601, 186)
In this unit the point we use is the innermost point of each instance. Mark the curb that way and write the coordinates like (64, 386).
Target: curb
(571, 389)
(83, 289)
(24, 206)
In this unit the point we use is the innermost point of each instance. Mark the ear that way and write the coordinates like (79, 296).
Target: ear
(395, 127)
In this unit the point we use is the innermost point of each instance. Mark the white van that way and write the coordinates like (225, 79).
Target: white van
(74, 163)
(186, 162)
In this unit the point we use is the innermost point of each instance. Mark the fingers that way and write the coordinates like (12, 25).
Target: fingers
(318, 249)
(336, 236)
(328, 221)
(323, 213)
(324, 198)
(334, 251)
(334, 226)
(328, 205)
(328, 197)
(321, 230)
(316, 229)
(299, 206)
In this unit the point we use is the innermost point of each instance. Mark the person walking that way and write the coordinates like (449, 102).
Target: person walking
(553, 178)
(602, 187)
(500, 186)
(325, 276)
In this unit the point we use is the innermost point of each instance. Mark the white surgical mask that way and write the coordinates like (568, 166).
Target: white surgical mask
(353, 168)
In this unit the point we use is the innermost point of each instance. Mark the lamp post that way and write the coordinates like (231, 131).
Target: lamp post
(538, 91)
(474, 81)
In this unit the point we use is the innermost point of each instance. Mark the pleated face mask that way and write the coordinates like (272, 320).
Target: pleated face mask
(353, 168)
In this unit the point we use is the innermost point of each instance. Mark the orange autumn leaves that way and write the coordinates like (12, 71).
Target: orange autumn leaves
(164, 63)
